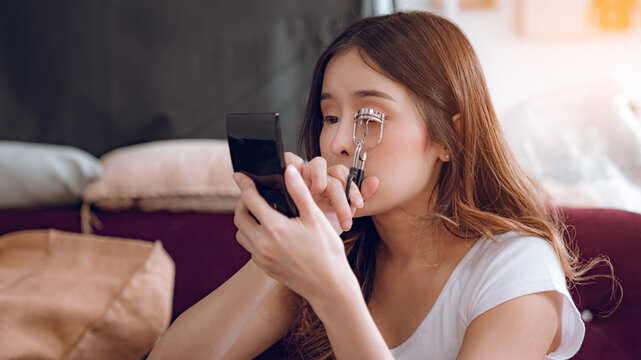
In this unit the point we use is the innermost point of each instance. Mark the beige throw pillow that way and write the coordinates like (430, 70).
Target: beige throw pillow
(174, 175)
(72, 296)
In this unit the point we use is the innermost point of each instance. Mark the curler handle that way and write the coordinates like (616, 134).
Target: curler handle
(355, 176)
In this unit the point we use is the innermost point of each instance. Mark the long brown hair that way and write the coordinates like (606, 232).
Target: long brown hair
(481, 192)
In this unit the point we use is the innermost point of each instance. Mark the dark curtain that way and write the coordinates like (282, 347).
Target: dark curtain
(105, 74)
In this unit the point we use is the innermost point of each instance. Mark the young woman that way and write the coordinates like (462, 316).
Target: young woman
(448, 251)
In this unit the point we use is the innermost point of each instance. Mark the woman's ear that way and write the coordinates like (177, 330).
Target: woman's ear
(458, 126)
(444, 154)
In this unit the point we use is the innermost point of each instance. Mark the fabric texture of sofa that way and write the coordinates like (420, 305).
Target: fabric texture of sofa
(205, 253)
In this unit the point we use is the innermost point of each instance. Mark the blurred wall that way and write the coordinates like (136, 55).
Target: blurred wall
(102, 74)
(518, 67)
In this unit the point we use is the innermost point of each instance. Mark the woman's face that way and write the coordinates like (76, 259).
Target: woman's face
(406, 162)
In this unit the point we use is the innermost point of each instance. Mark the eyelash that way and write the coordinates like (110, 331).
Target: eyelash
(331, 119)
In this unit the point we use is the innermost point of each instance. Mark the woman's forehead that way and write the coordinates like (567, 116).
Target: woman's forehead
(348, 73)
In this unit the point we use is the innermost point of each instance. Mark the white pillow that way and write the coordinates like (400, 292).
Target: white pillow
(173, 175)
(33, 175)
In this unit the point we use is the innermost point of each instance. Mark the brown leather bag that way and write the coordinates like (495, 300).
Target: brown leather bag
(74, 296)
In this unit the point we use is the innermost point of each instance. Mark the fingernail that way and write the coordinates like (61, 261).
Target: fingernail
(346, 225)
(290, 172)
(359, 201)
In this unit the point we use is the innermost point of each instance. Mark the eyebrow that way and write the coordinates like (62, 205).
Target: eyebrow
(361, 94)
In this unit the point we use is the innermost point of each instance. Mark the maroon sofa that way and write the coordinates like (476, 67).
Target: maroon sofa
(204, 249)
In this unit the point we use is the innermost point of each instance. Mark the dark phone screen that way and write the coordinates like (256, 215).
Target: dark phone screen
(256, 150)
(255, 156)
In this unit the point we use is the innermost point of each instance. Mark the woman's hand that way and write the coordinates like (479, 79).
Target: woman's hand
(305, 254)
(327, 186)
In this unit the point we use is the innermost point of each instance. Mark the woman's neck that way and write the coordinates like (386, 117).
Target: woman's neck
(410, 239)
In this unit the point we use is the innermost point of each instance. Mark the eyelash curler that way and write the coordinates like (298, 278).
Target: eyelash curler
(361, 121)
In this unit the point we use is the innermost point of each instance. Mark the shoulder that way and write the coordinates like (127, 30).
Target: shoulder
(512, 265)
(511, 252)
(529, 326)
(515, 244)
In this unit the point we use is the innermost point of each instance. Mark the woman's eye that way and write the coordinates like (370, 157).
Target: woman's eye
(331, 119)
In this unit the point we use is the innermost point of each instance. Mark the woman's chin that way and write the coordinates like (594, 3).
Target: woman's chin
(362, 212)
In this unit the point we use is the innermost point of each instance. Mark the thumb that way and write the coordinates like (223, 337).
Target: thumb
(299, 192)
(369, 186)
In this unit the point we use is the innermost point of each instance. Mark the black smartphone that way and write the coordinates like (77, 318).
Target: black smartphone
(256, 149)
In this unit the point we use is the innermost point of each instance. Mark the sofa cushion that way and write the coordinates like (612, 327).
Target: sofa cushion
(35, 175)
(174, 175)
(615, 234)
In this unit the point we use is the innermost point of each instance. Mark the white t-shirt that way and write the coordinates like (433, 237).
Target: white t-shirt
(488, 275)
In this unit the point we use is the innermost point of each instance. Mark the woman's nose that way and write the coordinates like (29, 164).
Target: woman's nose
(343, 144)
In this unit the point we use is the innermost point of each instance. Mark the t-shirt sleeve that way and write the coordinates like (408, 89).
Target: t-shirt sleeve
(520, 265)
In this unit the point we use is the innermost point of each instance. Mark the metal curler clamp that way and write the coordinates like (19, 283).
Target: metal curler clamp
(362, 119)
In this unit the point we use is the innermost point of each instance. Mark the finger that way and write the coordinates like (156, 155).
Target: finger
(336, 195)
(243, 221)
(241, 215)
(369, 186)
(316, 175)
(244, 241)
(297, 161)
(299, 193)
(341, 173)
(355, 197)
(253, 200)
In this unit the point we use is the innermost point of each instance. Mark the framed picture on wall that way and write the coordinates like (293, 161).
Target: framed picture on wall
(466, 4)
(477, 4)
(578, 17)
